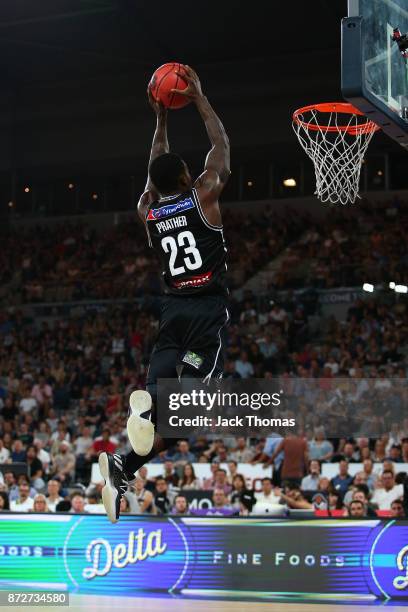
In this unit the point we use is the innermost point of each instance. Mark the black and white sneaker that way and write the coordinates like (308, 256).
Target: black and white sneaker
(116, 483)
(140, 429)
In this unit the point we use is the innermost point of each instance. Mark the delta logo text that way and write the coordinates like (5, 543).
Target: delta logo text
(102, 556)
(171, 209)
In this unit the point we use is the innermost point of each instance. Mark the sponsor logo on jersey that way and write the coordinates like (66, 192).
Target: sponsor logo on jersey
(170, 209)
(193, 281)
(193, 359)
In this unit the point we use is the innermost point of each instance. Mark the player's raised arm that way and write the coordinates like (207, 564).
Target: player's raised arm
(160, 145)
(217, 164)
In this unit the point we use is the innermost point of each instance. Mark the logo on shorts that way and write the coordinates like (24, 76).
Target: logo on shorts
(170, 209)
(193, 359)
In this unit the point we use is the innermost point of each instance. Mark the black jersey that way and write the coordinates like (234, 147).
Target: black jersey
(191, 250)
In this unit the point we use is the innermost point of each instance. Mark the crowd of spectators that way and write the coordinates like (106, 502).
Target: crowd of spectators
(76, 262)
(64, 382)
(351, 247)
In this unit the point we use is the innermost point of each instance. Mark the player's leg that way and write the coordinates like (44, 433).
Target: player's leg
(204, 342)
(119, 471)
(162, 365)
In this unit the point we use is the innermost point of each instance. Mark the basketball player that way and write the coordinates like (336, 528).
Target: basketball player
(183, 224)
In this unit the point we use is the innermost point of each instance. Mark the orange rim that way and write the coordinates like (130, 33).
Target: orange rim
(335, 107)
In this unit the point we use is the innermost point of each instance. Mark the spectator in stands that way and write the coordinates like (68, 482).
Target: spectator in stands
(43, 456)
(4, 501)
(28, 403)
(124, 505)
(295, 458)
(144, 501)
(83, 443)
(18, 454)
(42, 392)
(388, 491)
(324, 485)
(4, 452)
(77, 503)
(349, 453)
(271, 444)
(34, 468)
(63, 463)
(397, 509)
(268, 494)
(24, 502)
(169, 474)
(232, 471)
(238, 486)
(53, 496)
(221, 504)
(221, 455)
(357, 509)
(188, 479)
(162, 497)
(359, 480)
(221, 481)
(395, 454)
(40, 504)
(320, 448)
(243, 367)
(335, 501)
(362, 494)
(343, 480)
(311, 481)
(11, 483)
(180, 505)
(379, 454)
(368, 469)
(241, 453)
(241, 498)
(209, 483)
(102, 444)
(183, 454)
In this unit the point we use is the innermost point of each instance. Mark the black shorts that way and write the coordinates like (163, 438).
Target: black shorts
(192, 335)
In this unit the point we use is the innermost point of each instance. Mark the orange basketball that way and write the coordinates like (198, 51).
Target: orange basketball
(164, 80)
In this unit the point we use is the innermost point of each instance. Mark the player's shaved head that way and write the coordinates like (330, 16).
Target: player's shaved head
(169, 173)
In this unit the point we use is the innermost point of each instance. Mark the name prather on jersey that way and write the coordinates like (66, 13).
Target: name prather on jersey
(166, 226)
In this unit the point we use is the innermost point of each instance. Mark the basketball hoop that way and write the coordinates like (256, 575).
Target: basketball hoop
(335, 136)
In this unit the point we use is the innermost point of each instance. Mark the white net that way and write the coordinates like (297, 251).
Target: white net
(336, 142)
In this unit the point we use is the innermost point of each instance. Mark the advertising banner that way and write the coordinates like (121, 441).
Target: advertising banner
(354, 560)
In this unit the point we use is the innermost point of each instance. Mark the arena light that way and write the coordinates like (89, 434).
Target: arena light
(290, 182)
(10, 204)
(94, 196)
(71, 185)
(250, 183)
(392, 285)
(401, 289)
(27, 189)
(368, 287)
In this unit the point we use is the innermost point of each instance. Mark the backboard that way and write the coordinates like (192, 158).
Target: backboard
(374, 72)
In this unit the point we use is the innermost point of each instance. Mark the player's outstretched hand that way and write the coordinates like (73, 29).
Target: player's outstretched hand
(193, 89)
(156, 105)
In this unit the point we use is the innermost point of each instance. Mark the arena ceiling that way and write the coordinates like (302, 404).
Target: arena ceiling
(51, 41)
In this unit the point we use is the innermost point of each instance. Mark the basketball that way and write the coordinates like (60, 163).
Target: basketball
(164, 80)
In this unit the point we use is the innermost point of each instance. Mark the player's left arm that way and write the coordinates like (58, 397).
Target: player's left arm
(217, 164)
(160, 145)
